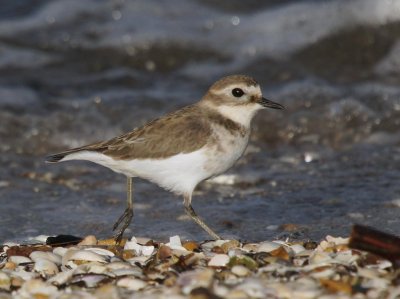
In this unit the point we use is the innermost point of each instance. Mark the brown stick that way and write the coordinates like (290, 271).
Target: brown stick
(377, 242)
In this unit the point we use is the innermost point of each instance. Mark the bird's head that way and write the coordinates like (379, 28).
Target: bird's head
(238, 97)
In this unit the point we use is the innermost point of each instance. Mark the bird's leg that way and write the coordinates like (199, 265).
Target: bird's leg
(190, 211)
(126, 217)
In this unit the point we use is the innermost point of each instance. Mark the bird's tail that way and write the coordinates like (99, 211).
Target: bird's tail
(54, 158)
(78, 153)
(67, 155)
(60, 156)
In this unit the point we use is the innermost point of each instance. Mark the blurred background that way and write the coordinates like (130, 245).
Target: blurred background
(74, 72)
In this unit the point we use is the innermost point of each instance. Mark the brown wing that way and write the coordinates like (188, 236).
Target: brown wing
(183, 131)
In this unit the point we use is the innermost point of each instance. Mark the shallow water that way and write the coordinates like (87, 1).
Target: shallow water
(74, 72)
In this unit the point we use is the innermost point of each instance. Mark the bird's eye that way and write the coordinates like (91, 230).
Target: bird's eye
(237, 92)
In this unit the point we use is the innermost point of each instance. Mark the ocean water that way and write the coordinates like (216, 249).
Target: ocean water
(74, 72)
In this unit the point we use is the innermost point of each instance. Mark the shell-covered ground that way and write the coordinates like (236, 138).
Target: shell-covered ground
(53, 267)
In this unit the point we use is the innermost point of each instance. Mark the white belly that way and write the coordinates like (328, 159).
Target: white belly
(179, 174)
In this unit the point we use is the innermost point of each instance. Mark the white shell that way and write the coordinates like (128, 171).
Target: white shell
(338, 240)
(251, 247)
(40, 239)
(126, 272)
(174, 241)
(96, 268)
(139, 249)
(320, 258)
(132, 245)
(88, 241)
(39, 255)
(268, 246)
(131, 283)
(35, 287)
(328, 273)
(240, 270)
(62, 277)
(219, 260)
(118, 265)
(19, 259)
(346, 257)
(82, 255)
(101, 251)
(25, 275)
(297, 248)
(196, 278)
(45, 267)
(60, 250)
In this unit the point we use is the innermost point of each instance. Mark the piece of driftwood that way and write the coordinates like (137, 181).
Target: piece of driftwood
(376, 242)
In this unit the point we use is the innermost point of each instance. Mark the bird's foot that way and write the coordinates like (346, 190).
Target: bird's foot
(125, 220)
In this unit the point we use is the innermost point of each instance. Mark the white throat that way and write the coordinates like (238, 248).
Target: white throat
(242, 114)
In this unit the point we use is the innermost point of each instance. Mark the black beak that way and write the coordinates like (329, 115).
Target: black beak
(269, 104)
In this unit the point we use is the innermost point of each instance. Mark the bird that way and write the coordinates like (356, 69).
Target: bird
(183, 148)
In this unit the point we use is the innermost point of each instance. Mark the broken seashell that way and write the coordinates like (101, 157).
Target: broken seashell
(191, 245)
(100, 251)
(89, 280)
(62, 277)
(268, 246)
(118, 265)
(45, 267)
(190, 280)
(61, 250)
(40, 255)
(240, 270)
(139, 249)
(297, 248)
(131, 283)
(82, 255)
(219, 260)
(36, 288)
(19, 259)
(251, 247)
(230, 245)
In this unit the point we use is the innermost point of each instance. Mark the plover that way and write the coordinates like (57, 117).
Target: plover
(179, 150)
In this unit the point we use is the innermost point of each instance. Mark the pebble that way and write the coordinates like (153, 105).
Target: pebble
(212, 269)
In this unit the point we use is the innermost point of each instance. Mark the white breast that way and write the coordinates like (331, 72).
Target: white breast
(228, 149)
